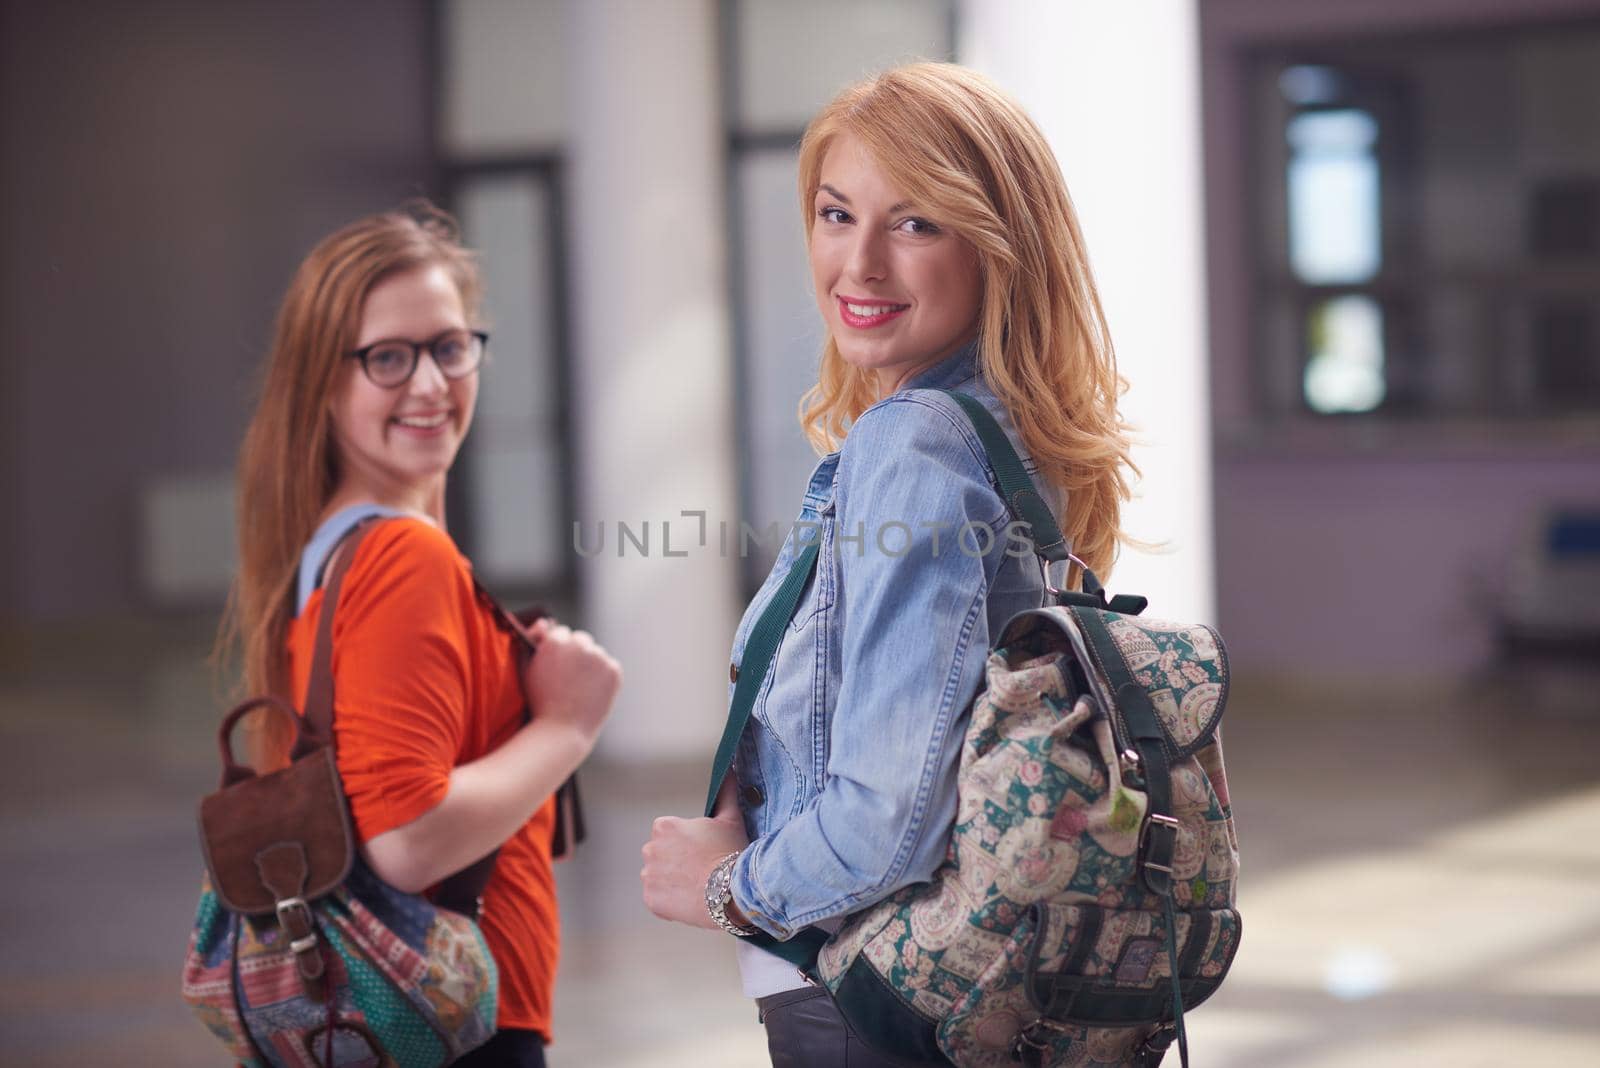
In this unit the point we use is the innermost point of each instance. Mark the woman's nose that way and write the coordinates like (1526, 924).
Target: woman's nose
(427, 380)
(867, 261)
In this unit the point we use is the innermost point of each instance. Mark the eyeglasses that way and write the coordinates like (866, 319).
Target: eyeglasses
(390, 364)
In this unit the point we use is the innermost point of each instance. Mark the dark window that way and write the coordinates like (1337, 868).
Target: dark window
(1428, 225)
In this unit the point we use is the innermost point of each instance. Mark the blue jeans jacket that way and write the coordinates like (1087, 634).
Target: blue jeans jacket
(847, 770)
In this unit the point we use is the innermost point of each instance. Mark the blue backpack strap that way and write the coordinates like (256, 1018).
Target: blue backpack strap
(314, 559)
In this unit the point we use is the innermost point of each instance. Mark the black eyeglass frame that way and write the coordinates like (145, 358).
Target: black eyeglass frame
(417, 349)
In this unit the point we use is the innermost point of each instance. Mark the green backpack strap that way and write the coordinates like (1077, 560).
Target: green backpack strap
(1158, 841)
(759, 649)
(1027, 505)
(1020, 494)
(801, 950)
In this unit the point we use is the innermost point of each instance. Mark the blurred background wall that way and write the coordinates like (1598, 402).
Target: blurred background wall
(1350, 252)
(1394, 427)
(1404, 262)
(164, 167)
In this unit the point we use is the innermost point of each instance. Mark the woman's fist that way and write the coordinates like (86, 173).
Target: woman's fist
(570, 679)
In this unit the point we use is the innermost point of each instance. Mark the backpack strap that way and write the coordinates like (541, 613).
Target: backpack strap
(1158, 840)
(570, 831)
(1018, 490)
(759, 650)
(319, 692)
(1028, 506)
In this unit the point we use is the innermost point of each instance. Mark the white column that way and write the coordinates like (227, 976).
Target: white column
(652, 383)
(1116, 89)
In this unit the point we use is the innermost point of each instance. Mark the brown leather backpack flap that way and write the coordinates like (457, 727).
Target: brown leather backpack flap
(244, 827)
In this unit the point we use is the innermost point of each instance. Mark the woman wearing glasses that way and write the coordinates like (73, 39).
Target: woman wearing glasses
(368, 392)
(945, 255)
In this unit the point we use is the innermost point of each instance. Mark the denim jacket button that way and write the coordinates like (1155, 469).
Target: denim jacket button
(733, 672)
(753, 795)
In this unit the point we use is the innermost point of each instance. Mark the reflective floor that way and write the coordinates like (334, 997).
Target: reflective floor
(1419, 885)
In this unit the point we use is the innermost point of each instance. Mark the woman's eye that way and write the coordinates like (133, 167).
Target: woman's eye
(919, 226)
(833, 215)
(450, 349)
(388, 357)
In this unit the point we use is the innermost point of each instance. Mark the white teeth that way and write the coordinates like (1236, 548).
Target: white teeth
(871, 310)
(432, 422)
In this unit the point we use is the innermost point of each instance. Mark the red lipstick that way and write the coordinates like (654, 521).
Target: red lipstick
(877, 312)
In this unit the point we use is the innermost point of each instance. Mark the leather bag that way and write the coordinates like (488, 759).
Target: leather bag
(300, 955)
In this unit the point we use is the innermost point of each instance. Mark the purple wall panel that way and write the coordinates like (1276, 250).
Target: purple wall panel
(1377, 565)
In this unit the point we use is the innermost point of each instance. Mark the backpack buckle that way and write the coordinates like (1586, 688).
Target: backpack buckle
(295, 917)
(1033, 1041)
(1154, 1047)
(1158, 843)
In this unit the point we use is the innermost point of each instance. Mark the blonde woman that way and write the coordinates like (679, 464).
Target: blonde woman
(945, 255)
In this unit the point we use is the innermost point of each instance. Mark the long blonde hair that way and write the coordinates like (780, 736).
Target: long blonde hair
(288, 466)
(966, 153)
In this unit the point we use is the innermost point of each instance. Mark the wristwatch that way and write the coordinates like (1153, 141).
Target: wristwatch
(719, 895)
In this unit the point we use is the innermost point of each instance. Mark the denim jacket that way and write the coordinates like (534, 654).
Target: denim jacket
(847, 769)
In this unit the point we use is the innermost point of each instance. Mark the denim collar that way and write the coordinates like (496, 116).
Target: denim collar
(960, 366)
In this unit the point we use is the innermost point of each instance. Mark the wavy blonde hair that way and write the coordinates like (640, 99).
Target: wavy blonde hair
(967, 154)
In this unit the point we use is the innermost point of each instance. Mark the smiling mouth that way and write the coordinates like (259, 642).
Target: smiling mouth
(864, 315)
(423, 422)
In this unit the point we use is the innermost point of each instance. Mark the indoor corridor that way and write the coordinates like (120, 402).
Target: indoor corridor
(1418, 883)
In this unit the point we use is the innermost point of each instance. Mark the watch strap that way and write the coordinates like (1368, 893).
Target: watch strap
(719, 894)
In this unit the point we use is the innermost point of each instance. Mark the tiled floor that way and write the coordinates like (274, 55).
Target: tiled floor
(1419, 887)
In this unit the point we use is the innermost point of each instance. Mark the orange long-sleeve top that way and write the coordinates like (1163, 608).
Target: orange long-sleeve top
(424, 681)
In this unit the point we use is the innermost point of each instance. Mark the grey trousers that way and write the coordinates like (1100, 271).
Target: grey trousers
(805, 1030)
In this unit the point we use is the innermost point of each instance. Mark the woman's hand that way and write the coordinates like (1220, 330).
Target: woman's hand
(680, 856)
(570, 684)
(570, 680)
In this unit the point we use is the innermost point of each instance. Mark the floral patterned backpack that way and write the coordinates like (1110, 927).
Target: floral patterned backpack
(1093, 857)
(300, 955)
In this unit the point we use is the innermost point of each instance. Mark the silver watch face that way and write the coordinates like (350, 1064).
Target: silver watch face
(719, 895)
